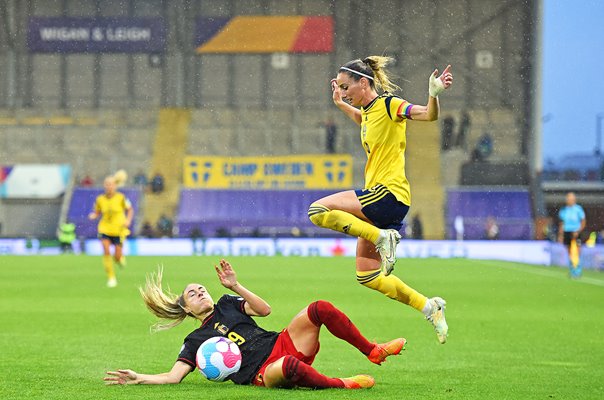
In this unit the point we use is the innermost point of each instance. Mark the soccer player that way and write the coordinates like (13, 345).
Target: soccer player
(269, 359)
(374, 214)
(116, 213)
(572, 223)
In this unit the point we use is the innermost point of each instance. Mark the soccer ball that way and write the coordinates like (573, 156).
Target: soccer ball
(218, 358)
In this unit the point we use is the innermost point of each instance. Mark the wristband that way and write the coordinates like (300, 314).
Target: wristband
(435, 86)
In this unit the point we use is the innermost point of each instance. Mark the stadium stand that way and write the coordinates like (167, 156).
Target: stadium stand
(248, 213)
(169, 149)
(511, 208)
(424, 173)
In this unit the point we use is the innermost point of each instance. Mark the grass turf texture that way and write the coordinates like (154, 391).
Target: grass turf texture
(516, 331)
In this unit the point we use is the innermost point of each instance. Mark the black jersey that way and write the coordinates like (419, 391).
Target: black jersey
(230, 320)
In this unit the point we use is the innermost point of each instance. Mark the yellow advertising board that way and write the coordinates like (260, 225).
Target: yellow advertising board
(312, 171)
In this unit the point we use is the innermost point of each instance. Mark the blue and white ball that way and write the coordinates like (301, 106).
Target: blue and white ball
(218, 358)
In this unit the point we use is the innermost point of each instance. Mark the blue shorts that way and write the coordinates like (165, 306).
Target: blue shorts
(115, 240)
(382, 208)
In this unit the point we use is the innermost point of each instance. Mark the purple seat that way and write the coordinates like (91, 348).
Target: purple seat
(511, 209)
(248, 212)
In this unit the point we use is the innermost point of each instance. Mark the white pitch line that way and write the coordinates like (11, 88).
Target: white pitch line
(541, 272)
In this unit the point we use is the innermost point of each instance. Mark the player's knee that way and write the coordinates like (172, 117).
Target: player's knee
(317, 213)
(320, 311)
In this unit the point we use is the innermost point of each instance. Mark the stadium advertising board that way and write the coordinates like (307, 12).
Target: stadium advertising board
(287, 172)
(96, 35)
(34, 181)
(529, 252)
(264, 34)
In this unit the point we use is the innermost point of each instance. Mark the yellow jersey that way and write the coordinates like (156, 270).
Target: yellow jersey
(383, 135)
(113, 214)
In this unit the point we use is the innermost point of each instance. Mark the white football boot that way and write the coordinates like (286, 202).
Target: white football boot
(437, 318)
(386, 246)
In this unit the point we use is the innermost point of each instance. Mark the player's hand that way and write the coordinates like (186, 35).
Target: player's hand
(92, 216)
(335, 92)
(226, 274)
(439, 84)
(120, 377)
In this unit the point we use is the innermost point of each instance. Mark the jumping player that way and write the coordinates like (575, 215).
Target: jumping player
(374, 214)
(116, 216)
(269, 359)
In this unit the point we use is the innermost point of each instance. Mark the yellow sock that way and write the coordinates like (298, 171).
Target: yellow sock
(392, 287)
(108, 264)
(342, 221)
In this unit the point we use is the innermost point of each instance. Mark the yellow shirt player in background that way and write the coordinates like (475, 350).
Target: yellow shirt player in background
(116, 214)
(375, 214)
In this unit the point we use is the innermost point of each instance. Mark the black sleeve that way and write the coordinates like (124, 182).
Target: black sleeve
(236, 301)
(188, 353)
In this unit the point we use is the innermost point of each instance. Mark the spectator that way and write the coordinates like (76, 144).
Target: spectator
(157, 183)
(86, 181)
(140, 179)
(164, 226)
(66, 235)
(447, 133)
(331, 133)
(483, 148)
(147, 230)
(464, 130)
(417, 229)
(491, 229)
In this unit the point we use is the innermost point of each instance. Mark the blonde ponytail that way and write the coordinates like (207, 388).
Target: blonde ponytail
(120, 177)
(377, 64)
(164, 305)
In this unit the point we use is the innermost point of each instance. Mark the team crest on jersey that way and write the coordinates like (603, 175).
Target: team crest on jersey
(221, 328)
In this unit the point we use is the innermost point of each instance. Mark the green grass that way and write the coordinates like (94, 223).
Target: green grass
(516, 331)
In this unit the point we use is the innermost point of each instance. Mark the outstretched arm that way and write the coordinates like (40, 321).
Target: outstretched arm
(129, 377)
(437, 85)
(254, 304)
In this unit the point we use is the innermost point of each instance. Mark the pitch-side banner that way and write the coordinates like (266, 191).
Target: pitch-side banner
(287, 172)
(96, 35)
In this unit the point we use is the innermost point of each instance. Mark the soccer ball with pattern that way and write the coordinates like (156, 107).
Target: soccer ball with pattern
(218, 358)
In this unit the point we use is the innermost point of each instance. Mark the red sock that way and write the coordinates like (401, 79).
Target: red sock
(324, 313)
(301, 374)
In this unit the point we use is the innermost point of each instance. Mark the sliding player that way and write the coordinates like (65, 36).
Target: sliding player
(269, 359)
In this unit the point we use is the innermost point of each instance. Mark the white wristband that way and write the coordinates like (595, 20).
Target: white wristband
(436, 86)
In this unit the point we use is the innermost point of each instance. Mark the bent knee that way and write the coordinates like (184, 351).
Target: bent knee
(316, 213)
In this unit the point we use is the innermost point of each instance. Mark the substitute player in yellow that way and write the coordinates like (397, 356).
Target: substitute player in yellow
(116, 214)
(375, 214)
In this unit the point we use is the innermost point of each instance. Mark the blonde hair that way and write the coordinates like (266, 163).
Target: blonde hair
(120, 177)
(374, 67)
(164, 305)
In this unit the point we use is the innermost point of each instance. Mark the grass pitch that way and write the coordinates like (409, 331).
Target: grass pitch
(516, 331)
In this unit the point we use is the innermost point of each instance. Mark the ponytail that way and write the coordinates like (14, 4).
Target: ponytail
(377, 64)
(164, 305)
(372, 68)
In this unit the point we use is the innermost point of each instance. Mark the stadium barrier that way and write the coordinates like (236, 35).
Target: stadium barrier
(529, 252)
